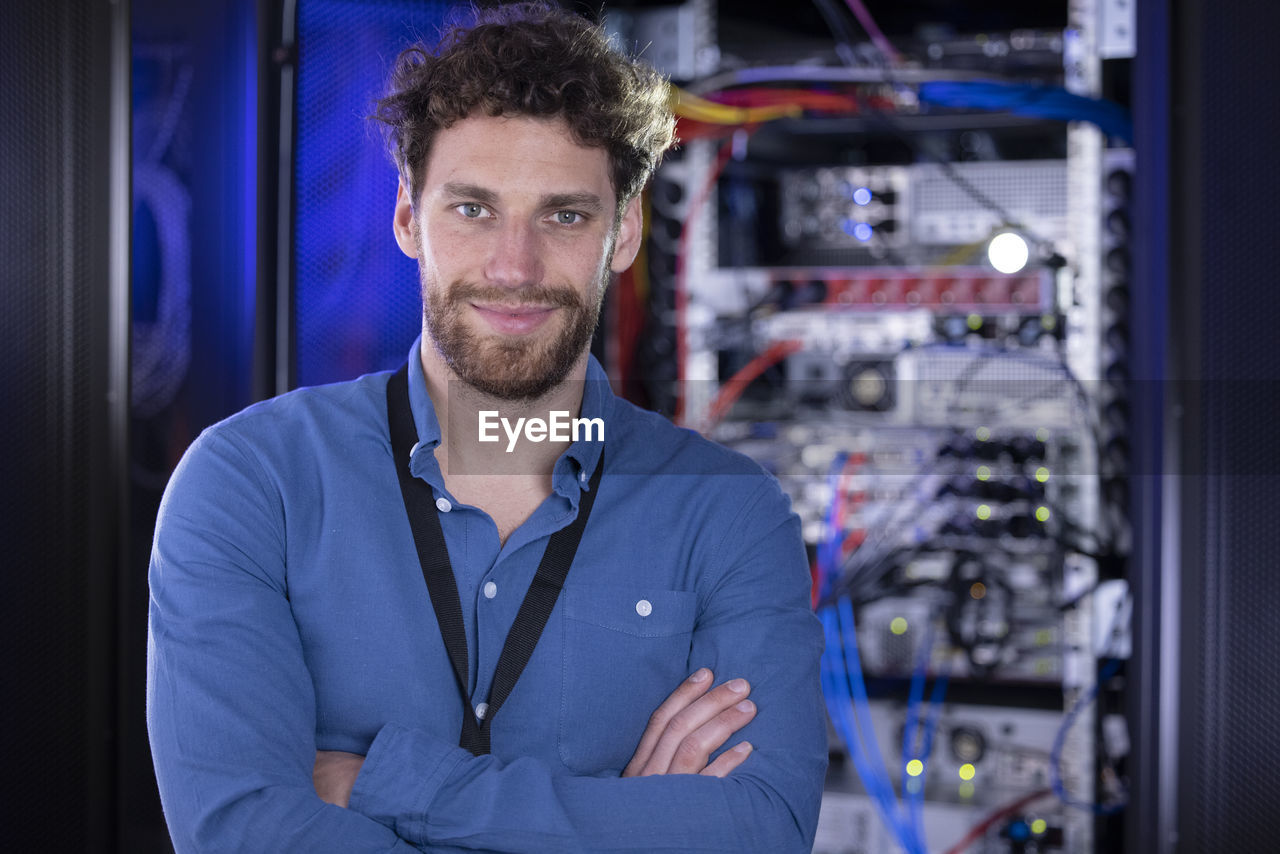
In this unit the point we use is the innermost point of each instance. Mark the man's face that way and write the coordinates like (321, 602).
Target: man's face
(515, 238)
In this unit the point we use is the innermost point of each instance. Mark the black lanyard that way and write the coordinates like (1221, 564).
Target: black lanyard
(419, 504)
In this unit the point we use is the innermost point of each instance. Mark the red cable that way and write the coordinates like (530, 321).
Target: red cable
(809, 99)
(737, 384)
(695, 206)
(975, 833)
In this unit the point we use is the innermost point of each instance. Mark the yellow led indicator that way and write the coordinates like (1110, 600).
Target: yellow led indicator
(915, 767)
(898, 625)
(1039, 826)
(974, 321)
(1042, 435)
(966, 790)
(1042, 513)
(1044, 637)
(983, 472)
(978, 590)
(1042, 474)
(984, 512)
(1048, 322)
(967, 771)
(983, 433)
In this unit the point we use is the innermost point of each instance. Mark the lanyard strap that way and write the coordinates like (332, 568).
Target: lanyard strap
(433, 554)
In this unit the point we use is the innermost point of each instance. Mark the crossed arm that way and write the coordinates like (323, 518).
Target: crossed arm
(232, 715)
(682, 734)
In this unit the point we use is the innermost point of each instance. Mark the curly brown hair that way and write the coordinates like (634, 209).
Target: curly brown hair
(529, 59)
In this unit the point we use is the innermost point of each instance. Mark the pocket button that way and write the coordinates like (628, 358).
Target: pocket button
(644, 608)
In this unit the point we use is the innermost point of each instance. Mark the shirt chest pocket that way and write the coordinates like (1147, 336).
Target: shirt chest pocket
(625, 650)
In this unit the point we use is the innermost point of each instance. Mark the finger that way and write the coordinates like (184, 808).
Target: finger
(695, 749)
(687, 721)
(687, 692)
(728, 760)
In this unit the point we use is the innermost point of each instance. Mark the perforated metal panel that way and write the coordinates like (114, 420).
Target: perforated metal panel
(57, 582)
(1226, 250)
(357, 299)
(1033, 192)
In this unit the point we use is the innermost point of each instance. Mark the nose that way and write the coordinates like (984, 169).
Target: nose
(515, 256)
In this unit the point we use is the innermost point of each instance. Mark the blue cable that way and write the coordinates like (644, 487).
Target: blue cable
(829, 549)
(1051, 102)
(914, 800)
(862, 709)
(935, 712)
(1059, 741)
(844, 671)
(839, 704)
(926, 749)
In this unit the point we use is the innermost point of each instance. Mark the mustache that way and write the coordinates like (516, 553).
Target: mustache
(539, 295)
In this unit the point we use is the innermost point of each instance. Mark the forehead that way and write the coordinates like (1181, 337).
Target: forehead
(515, 156)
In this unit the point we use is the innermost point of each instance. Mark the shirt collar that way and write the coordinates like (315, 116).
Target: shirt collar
(574, 468)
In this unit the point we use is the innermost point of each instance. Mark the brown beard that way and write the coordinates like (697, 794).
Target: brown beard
(513, 370)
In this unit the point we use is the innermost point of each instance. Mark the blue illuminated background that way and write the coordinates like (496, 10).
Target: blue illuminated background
(357, 300)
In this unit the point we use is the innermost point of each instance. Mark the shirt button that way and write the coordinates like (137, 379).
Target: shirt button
(644, 608)
(490, 590)
(583, 478)
(443, 505)
(481, 711)
(414, 449)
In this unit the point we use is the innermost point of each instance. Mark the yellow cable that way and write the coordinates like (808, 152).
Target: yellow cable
(691, 106)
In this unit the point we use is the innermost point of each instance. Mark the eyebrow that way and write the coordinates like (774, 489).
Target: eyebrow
(587, 202)
(473, 192)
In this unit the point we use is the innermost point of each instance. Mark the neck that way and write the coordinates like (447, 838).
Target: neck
(459, 407)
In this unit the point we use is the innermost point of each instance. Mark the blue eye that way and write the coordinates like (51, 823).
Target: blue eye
(568, 217)
(472, 210)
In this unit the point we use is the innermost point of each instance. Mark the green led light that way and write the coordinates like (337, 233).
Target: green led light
(1039, 826)
(1042, 474)
(974, 322)
(983, 433)
(984, 512)
(915, 767)
(898, 625)
(1044, 637)
(967, 771)
(966, 790)
(1042, 435)
(983, 472)
(1048, 322)
(1042, 513)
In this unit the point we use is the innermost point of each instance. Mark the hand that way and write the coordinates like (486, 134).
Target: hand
(334, 775)
(692, 724)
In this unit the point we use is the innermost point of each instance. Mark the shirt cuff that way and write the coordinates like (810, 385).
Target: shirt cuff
(401, 775)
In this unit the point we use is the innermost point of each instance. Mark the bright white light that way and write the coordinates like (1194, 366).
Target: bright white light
(1008, 252)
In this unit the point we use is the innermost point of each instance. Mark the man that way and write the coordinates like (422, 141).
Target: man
(306, 689)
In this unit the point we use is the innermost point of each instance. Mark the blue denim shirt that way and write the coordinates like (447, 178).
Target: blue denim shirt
(289, 614)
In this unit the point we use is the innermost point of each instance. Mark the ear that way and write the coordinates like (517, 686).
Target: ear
(630, 233)
(403, 222)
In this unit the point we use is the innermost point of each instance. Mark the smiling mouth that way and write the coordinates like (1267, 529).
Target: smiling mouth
(523, 310)
(514, 319)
